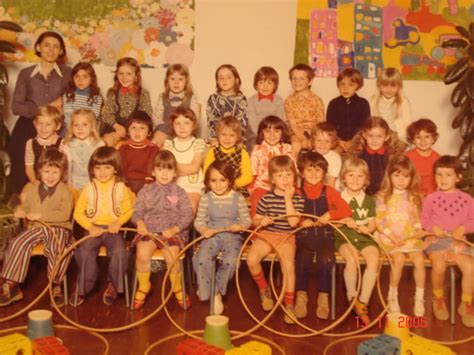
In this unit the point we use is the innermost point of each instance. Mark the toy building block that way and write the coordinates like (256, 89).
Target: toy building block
(380, 345)
(419, 346)
(251, 348)
(192, 346)
(237, 351)
(15, 344)
(49, 346)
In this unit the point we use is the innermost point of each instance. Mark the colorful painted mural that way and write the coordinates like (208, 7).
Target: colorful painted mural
(373, 34)
(155, 32)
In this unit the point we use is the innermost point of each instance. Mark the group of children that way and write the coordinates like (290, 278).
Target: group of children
(349, 167)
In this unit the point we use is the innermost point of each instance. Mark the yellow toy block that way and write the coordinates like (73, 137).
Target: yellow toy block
(236, 351)
(258, 348)
(15, 344)
(419, 346)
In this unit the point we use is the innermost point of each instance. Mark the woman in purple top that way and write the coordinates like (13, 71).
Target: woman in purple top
(38, 85)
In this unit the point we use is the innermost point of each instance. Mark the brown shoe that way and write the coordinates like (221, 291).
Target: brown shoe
(440, 310)
(360, 309)
(291, 316)
(266, 299)
(110, 295)
(301, 303)
(466, 311)
(10, 293)
(58, 296)
(322, 312)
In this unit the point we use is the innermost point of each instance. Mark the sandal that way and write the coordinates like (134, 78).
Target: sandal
(137, 303)
(181, 304)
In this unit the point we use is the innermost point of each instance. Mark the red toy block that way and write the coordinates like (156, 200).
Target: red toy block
(193, 346)
(49, 346)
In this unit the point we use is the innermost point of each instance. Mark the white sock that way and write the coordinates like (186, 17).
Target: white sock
(350, 279)
(393, 292)
(368, 283)
(420, 293)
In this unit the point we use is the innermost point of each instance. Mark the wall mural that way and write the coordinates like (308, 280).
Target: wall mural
(370, 35)
(155, 32)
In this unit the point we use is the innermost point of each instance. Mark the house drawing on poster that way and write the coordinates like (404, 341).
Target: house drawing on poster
(323, 42)
(368, 40)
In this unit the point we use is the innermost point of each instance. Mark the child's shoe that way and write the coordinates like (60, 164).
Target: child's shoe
(466, 311)
(10, 294)
(72, 300)
(110, 294)
(139, 302)
(266, 299)
(291, 316)
(181, 303)
(301, 308)
(58, 296)
(360, 309)
(218, 305)
(440, 310)
(419, 308)
(322, 311)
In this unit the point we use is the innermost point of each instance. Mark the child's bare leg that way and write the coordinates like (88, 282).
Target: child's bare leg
(159, 138)
(194, 197)
(296, 145)
(465, 264)
(111, 139)
(258, 250)
(287, 254)
(398, 261)
(419, 271)
(438, 269)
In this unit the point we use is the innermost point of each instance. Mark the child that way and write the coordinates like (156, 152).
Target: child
(81, 140)
(272, 140)
(449, 215)
(274, 234)
(125, 97)
(163, 208)
(423, 134)
(47, 122)
(178, 92)
(264, 103)
(324, 139)
(323, 201)
(220, 208)
(376, 144)
(227, 101)
(399, 229)
(303, 108)
(49, 200)
(82, 92)
(189, 153)
(229, 149)
(348, 111)
(138, 152)
(355, 177)
(390, 104)
(103, 207)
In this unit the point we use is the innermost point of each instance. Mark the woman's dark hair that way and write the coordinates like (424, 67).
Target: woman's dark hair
(44, 35)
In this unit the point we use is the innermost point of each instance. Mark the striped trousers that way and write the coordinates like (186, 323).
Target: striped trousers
(17, 259)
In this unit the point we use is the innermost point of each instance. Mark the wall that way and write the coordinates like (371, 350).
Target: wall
(250, 34)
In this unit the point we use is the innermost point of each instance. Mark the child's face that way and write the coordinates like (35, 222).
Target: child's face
(183, 127)
(355, 180)
(313, 175)
(226, 81)
(49, 49)
(126, 75)
(323, 143)
(423, 141)
(283, 179)
(389, 91)
(50, 175)
(45, 126)
(138, 132)
(227, 137)
(347, 87)
(81, 127)
(218, 183)
(176, 82)
(300, 81)
(400, 179)
(104, 172)
(82, 79)
(266, 87)
(163, 175)
(375, 138)
(446, 179)
(272, 135)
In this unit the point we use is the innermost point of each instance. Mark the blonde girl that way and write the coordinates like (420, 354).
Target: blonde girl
(164, 209)
(82, 139)
(390, 104)
(398, 226)
(125, 97)
(355, 178)
(189, 153)
(178, 92)
(281, 200)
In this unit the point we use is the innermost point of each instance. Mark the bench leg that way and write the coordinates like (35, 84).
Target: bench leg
(183, 285)
(213, 287)
(333, 292)
(452, 274)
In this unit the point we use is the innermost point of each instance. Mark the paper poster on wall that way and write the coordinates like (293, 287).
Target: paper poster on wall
(369, 35)
(155, 32)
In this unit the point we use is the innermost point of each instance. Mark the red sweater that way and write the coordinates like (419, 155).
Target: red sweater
(337, 207)
(137, 160)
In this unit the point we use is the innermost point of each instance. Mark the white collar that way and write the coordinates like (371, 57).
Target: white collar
(359, 198)
(39, 69)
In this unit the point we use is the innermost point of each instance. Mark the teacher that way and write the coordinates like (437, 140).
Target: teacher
(39, 85)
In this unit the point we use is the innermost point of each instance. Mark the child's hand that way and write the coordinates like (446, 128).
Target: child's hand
(266, 221)
(213, 142)
(458, 233)
(209, 232)
(437, 231)
(236, 228)
(95, 231)
(308, 223)
(141, 228)
(324, 219)
(120, 130)
(362, 229)
(351, 223)
(420, 233)
(33, 216)
(168, 233)
(114, 227)
(19, 212)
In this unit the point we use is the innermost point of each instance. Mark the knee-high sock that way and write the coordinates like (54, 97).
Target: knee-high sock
(368, 283)
(350, 279)
(143, 284)
(176, 285)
